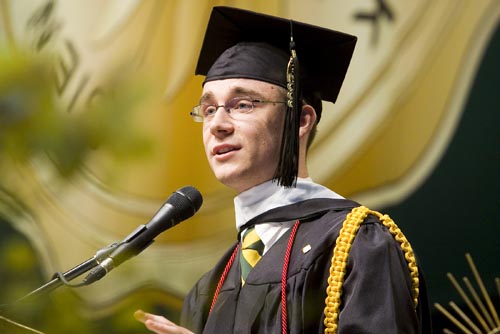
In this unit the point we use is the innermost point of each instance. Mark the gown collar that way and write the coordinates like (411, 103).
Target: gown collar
(269, 195)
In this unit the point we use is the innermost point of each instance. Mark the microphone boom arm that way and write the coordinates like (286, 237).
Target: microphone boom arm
(72, 273)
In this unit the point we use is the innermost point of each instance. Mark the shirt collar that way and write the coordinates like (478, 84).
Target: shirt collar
(269, 195)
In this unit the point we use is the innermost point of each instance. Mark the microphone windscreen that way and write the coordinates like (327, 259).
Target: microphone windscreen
(187, 200)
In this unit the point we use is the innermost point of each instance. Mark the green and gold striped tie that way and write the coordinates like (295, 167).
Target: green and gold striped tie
(251, 252)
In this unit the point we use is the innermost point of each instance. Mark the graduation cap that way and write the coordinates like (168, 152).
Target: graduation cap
(302, 58)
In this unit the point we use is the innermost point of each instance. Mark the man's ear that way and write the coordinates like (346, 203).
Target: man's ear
(307, 120)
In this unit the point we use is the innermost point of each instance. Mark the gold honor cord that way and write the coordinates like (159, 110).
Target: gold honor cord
(343, 245)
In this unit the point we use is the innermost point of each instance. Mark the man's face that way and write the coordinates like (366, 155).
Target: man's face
(243, 152)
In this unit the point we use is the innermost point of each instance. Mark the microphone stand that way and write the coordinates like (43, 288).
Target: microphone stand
(59, 279)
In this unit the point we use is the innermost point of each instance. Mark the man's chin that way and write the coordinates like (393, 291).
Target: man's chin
(232, 180)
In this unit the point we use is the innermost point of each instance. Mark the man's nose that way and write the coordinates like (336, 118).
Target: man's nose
(221, 121)
(221, 106)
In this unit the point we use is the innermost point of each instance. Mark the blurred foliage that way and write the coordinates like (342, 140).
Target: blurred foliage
(32, 122)
(61, 311)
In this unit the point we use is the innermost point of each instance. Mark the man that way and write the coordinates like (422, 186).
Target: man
(261, 101)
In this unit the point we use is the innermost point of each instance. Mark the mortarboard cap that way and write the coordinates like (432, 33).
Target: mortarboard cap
(297, 56)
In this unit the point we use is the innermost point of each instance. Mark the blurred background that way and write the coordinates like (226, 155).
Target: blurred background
(95, 135)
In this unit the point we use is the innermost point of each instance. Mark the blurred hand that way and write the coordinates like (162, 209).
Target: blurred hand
(159, 324)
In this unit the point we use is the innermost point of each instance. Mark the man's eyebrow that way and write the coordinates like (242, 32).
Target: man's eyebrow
(205, 97)
(235, 91)
(246, 92)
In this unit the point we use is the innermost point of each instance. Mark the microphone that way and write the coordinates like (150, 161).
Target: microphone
(181, 205)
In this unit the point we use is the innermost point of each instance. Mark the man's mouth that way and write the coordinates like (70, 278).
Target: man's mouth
(219, 150)
(224, 150)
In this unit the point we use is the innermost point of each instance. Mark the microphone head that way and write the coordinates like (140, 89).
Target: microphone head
(187, 200)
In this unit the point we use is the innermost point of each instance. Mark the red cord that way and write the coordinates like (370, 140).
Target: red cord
(223, 277)
(284, 273)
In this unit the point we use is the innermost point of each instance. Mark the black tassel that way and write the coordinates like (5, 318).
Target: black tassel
(288, 166)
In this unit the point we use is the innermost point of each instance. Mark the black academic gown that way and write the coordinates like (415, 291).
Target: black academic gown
(376, 295)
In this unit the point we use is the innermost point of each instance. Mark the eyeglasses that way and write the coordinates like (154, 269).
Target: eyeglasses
(235, 107)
